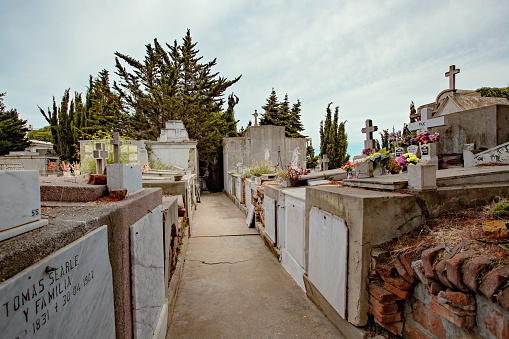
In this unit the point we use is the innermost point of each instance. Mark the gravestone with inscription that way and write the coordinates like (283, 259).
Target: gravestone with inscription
(20, 203)
(69, 294)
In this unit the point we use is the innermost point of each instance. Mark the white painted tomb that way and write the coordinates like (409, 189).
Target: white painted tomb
(328, 249)
(269, 206)
(147, 268)
(20, 203)
(68, 294)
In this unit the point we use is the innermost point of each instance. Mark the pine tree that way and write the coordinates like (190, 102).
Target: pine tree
(333, 139)
(12, 130)
(294, 126)
(271, 110)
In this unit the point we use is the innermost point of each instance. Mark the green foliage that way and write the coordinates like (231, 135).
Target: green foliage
(176, 84)
(333, 139)
(494, 92)
(311, 158)
(501, 210)
(262, 167)
(12, 130)
(280, 114)
(42, 134)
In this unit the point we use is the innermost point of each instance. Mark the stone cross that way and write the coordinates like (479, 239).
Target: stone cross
(452, 76)
(100, 155)
(426, 122)
(116, 151)
(325, 162)
(369, 129)
(255, 114)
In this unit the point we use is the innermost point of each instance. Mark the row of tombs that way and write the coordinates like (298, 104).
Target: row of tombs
(329, 237)
(82, 264)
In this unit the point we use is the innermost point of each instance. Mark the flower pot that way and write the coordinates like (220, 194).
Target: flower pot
(349, 175)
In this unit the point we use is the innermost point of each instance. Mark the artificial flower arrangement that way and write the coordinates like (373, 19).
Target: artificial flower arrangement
(407, 159)
(65, 166)
(75, 168)
(380, 158)
(426, 138)
(293, 174)
(348, 167)
(367, 151)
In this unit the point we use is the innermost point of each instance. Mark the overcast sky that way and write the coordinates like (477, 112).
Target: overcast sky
(371, 57)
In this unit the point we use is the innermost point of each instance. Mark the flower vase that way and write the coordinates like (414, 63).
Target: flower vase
(349, 175)
(257, 181)
(66, 174)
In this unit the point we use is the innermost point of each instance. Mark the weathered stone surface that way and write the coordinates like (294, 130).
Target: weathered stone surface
(493, 280)
(97, 179)
(440, 270)
(118, 194)
(503, 298)
(418, 269)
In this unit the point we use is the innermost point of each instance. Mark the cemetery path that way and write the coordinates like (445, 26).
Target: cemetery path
(233, 287)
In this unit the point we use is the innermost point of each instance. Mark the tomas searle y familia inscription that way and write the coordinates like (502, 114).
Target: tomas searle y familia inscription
(68, 294)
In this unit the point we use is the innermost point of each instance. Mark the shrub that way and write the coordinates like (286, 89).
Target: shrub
(500, 210)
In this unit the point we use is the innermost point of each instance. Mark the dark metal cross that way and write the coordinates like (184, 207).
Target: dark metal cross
(116, 150)
(452, 76)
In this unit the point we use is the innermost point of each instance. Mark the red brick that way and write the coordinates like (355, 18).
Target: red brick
(497, 324)
(428, 260)
(441, 273)
(97, 179)
(403, 272)
(455, 310)
(399, 282)
(385, 271)
(415, 333)
(428, 319)
(453, 266)
(467, 321)
(384, 308)
(118, 194)
(395, 328)
(435, 287)
(493, 280)
(400, 293)
(406, 259)
(503, 298)
(382, 294)
(472, 269)
(419, 272)
(386, 318)
(458, 299)
(181, 212)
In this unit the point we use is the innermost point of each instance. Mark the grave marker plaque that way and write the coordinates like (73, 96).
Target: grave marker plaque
(69, 294)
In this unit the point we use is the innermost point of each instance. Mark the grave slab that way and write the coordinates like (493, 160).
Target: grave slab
(147, 267)
(270, 217)
(125, 176)
(69, 294)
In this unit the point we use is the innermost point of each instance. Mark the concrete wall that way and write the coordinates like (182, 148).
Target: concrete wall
(487, 127)
(181, 154)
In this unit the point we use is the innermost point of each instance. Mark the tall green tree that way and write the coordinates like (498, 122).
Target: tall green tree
(12, 130)
(294, 126)
(280, 114)
(177, 84)
(271, 110)
(502, 92)
(333, 139)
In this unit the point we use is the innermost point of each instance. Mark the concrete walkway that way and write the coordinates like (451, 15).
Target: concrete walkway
(233, 287)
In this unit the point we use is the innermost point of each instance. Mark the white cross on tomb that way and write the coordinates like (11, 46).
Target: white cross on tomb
(426, 122)
(116, 143)
(255, 114)
(369, 129)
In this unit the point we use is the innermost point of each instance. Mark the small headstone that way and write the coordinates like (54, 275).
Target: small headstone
(100, 155)
(20, 203)
(364, 169)
(68, 294)
(125, 176)
(142, 157)
(325, 162)
(422, 177)
(412, 149)
(429, 154)
(369, 129)
(398, 151)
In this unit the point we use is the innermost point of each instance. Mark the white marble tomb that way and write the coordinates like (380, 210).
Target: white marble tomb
(147, 267)
(68, 294)
(328, 249)
(270, 217)
(20, 203)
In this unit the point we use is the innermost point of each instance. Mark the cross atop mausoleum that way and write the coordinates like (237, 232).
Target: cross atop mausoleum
(369, 129)
(426, 121)
(452, 76)
(255, 114)
(116, 150)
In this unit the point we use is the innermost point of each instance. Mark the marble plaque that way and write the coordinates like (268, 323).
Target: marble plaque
(398, 151)
(20, 198)
(412, 149)
(328, 253)
(125, 176)
(295, 228)
(69, 294)
(270, 217)
(147, 270)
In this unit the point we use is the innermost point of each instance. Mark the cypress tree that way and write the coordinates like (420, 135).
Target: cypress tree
(333, 139)
(12, 130)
